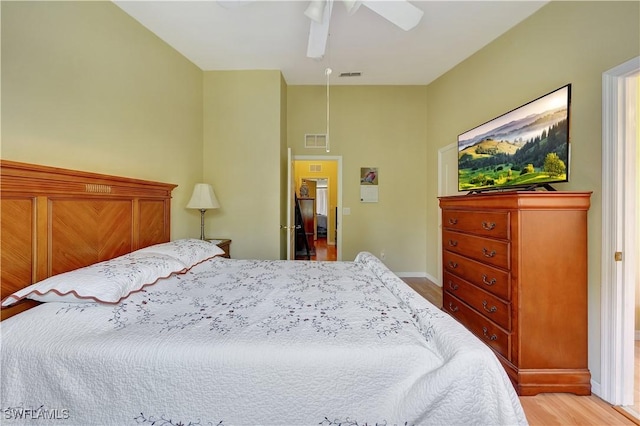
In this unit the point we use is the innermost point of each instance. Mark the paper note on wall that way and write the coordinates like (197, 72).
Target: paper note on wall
(369, 184)
(369, 193)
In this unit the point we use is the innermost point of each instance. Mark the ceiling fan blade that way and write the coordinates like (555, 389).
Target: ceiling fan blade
(319, 33)
(230, 4)
(399, 12)
(315, 10)
(352, 6)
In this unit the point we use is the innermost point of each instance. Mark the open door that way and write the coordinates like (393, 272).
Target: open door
(291, 225)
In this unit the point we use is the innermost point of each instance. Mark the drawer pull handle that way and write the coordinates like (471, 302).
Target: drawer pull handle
(452, 308)
(491, 309)
(453, 286)
(452, 264)
(486, 335)
(453, 243)
(488, 225)
(488, 253)
(453, 221)
(484, 280)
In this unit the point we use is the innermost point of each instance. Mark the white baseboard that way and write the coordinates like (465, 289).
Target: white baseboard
(419, 275)
(434, 280)
(411, 274)
(595, 388)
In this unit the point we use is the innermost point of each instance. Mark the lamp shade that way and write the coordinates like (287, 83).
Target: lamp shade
(203, 198)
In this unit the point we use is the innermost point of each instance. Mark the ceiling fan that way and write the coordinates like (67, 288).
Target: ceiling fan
(399, 12)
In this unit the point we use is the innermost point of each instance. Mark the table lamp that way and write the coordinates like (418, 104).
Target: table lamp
(203, 199)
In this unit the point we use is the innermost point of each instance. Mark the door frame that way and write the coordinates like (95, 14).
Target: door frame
(337, 158)
(289, 227)
(618, 202)
(443, 189)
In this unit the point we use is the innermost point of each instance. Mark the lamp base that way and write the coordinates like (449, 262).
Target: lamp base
(202, 223)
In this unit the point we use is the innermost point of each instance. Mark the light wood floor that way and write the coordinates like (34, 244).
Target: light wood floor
(549, 408)
(324, 251)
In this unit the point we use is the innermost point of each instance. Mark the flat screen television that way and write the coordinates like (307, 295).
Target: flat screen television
(527, 147)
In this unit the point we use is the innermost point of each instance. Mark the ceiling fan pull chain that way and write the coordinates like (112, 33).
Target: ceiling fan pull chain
(328, 72)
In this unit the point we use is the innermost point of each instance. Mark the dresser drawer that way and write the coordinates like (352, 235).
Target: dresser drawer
(490, 224)
(493, 252)
(486, 303)
(486, 277)
(485, 329)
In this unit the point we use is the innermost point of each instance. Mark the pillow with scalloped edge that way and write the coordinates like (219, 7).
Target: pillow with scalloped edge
(189, 251)
(107, 282)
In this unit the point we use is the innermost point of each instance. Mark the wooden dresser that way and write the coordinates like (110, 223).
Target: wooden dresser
(515, 274)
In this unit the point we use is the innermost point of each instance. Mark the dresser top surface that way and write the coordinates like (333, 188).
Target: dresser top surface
(518, 200)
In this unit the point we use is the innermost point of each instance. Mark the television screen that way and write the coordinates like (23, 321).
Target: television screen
(525, 147)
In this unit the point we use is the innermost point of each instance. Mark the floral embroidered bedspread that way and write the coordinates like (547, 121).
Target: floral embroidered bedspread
(248, 342)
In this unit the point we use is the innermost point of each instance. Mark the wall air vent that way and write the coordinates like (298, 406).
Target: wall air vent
(351, 74)
(315, 140)
(315, 168)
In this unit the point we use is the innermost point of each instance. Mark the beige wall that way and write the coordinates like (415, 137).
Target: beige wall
(243, 145)
(86, 87)
(373, 126)
(564, 42)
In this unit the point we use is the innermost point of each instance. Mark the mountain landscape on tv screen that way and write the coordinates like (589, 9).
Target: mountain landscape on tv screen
(525, 151)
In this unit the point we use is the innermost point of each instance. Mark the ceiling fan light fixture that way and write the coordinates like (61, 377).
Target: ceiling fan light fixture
(315, 10)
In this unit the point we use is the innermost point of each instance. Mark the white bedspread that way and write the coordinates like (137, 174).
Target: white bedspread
(242, 342)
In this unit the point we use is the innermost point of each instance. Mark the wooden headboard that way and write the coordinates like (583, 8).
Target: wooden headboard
(54, 220)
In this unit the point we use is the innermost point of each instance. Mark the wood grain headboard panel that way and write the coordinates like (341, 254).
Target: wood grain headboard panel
(55, 220)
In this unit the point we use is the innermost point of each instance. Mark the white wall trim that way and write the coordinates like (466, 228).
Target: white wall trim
(416, 275)
(432, 279)
(443, 189)
(596, 388)
(617, 298)
(411, 274)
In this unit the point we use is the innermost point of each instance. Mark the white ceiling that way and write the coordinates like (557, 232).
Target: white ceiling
(268, 34)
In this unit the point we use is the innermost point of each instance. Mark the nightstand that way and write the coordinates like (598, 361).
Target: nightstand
(224, 244)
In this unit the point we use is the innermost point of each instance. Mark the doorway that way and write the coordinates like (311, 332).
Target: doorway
(620, 253)
(324, 175)
(323, 233)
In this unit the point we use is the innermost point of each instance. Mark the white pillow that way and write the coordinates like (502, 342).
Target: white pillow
(188, 251)
(109, 281)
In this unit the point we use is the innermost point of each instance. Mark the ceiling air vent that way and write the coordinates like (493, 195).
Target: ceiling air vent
(351, 74)
(315, 140)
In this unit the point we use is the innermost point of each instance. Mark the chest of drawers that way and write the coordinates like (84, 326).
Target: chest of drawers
(515, 274)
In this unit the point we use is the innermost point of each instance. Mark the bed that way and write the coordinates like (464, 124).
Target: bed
(171, 333)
